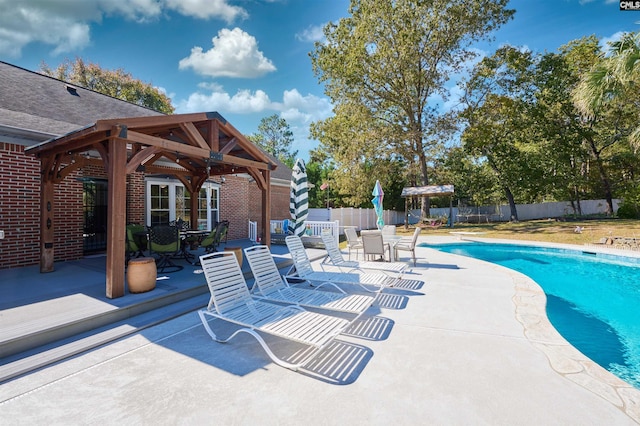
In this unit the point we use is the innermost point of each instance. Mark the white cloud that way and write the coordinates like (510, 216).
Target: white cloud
(605, 41)
(65, 24)
(298, 110)
(205, 9)
(311, 34)
(304, 109)
(243, 102)
(234, 54)
(22, 25)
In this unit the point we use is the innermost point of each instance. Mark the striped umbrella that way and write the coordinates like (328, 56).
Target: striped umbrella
(299, 198)
(378, 195)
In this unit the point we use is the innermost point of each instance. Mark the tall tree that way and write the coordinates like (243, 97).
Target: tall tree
(116, 83)
(615, 77)
(498, 97)
(390, 58)
(608, 97)
(275, 136)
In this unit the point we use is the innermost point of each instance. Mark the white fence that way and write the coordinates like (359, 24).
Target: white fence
(502, 213)
(356, 217)
(313, 228)
(338, 219)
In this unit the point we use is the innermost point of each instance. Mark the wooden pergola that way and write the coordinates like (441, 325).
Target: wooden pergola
(191, 147)
(427, 191)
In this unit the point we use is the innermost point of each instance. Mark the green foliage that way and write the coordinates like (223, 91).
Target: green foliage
(275, 137)
(629, 209)
(116, 83)
(380, 66)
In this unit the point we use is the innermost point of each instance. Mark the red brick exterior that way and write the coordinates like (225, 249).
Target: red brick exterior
(20, 207)
(240, 201)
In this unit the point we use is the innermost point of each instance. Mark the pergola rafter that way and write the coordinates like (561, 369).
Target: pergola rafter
(191, 147)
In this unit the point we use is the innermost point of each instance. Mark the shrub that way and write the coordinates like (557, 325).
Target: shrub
(628, 210)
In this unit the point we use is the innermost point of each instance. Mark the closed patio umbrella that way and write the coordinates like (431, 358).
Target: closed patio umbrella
(378, 195)
(298, 198)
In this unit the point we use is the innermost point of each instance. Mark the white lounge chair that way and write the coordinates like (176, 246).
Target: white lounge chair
(304, 270)
(231, 301)
(334, 258)
(270, 285)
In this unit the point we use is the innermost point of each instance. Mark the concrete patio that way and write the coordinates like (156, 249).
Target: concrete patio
(472, 345)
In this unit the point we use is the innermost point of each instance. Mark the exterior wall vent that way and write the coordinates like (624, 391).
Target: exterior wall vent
(72, 90)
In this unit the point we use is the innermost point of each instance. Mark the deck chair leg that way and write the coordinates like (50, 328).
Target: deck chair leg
(253, 333)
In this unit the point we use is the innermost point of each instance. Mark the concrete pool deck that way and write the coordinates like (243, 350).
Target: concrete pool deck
(471, 346)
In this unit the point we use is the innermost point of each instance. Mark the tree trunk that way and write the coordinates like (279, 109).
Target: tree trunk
(604, 178)
(512, 205)
(426, 204)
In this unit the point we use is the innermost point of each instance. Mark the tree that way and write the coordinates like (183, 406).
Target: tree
(607, 96)
(275, 136)
(498, 98)
(115, 83)
(319, 168)
(390, 58)
(614, 77)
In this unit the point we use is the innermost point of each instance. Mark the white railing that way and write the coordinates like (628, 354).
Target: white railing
(356, 217)
(313, 228)
(253, 231)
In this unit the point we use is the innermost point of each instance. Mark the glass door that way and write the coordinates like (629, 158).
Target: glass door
(168, 201)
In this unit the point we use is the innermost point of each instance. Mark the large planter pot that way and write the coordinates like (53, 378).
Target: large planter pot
(238, 252)
(141, 274)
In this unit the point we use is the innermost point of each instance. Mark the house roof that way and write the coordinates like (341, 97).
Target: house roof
(35, 107)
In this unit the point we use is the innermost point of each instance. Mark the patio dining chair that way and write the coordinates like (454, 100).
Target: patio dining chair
(231, 302)
(164, 241)
(270, 285)
(409, 246)
(211, 242)
(353, 241)
(389, 230)
(373, 245)
(136, 241)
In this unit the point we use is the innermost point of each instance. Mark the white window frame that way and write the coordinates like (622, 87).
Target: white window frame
(212, 214)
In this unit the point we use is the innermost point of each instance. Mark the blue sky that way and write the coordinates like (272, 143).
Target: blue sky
(246, 59)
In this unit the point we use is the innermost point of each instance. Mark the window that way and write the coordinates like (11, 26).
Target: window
(168, 200)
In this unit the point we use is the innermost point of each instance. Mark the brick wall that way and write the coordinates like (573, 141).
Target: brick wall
(135, 198)
(20, 211)
(234, 194)
(19, 207)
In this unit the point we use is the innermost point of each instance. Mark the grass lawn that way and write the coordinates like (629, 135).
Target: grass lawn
(547, 230)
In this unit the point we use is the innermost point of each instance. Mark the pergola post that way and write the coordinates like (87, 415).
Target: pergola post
(116, 217)
(266, 209)
(47, 224)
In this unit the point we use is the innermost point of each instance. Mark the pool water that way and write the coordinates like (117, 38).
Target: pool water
(592, 300)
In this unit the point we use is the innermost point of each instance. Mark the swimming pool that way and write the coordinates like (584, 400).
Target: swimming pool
(593, 300)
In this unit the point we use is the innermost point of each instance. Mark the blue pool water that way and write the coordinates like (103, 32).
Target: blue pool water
(592, 300)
